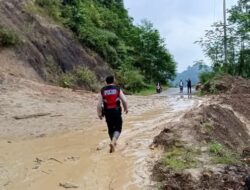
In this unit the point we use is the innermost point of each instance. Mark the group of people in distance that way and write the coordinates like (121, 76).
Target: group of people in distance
(189, 86)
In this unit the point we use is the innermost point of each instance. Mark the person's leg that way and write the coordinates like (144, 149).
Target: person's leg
(110, 125)
(117, 131)
(118, 127)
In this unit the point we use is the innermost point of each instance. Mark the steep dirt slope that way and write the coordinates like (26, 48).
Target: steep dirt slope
(48, 48)
(12, 65)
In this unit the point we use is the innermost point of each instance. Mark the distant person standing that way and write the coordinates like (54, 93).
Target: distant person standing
(109, 105)
(158, 87)
(181, 86)
(189, 86)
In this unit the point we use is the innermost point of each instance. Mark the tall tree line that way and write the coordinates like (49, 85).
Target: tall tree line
(138, 54)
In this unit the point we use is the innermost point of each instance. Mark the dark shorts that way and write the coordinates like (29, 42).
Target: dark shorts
(114, 121)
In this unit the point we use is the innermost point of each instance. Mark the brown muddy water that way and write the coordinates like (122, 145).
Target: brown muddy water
(80, 158)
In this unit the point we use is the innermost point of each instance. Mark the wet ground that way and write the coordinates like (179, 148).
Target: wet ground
(207, 148)
(38, 153)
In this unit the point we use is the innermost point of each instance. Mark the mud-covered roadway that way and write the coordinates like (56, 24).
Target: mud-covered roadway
(52, 139)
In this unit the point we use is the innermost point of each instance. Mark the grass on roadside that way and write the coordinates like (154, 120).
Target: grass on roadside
(222, 155)
(150, 90)
(179, 158)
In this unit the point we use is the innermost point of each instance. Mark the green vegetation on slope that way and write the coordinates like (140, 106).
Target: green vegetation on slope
(136, 53)
(82, 77)
(8, 37)
(179, 158)
(221, 155)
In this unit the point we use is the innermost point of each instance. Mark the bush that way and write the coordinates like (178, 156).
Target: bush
(211, 82)
(82, 77)
(87, 78)
(52, 7)
(132, 80)
(216, 148)
(206, 76)
(222, 155)
(67, 80)
(8, 37)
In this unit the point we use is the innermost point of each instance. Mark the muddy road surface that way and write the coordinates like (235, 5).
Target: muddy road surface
(52, 139)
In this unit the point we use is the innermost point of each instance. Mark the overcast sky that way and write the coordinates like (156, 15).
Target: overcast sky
(180, 22)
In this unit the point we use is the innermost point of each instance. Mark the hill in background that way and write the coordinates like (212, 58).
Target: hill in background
(192, 72)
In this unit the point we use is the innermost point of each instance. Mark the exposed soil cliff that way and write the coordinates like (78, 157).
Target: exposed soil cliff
(48, 48)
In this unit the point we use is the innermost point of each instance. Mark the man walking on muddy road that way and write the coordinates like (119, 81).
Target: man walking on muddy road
(109, 105)
(189, 87)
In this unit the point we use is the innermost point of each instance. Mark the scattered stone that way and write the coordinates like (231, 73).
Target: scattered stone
(9, 142)
(68, 185)
(98, 148)
(247, 183)
(57, 115)
(166, 130)
(31, 116)
(36, 167)
(152, 146)
(246, 160)
(246, 152)
(45, 172)
(101, 146)
(53, 159)
(72, 158)
(41, 135)
(38, 161)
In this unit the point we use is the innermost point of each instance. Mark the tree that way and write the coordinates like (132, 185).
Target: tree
(105, 27)
(238, 30)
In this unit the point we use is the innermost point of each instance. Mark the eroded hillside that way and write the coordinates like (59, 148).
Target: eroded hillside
(46, 50)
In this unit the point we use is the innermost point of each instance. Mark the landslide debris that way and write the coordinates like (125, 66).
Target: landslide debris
(209, 147)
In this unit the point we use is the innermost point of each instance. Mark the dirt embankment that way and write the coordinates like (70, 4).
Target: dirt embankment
(46, 48)
(209, 147)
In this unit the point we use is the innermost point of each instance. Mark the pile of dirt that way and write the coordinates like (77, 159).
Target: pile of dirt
(206, 125)
(228, 177)
(47, 47)
(238, 97)
(209, 123)
(220, 124)
(215, 136)
(227, 84)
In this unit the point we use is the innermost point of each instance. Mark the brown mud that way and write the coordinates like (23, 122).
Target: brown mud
(208, 148)
(52, 139)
